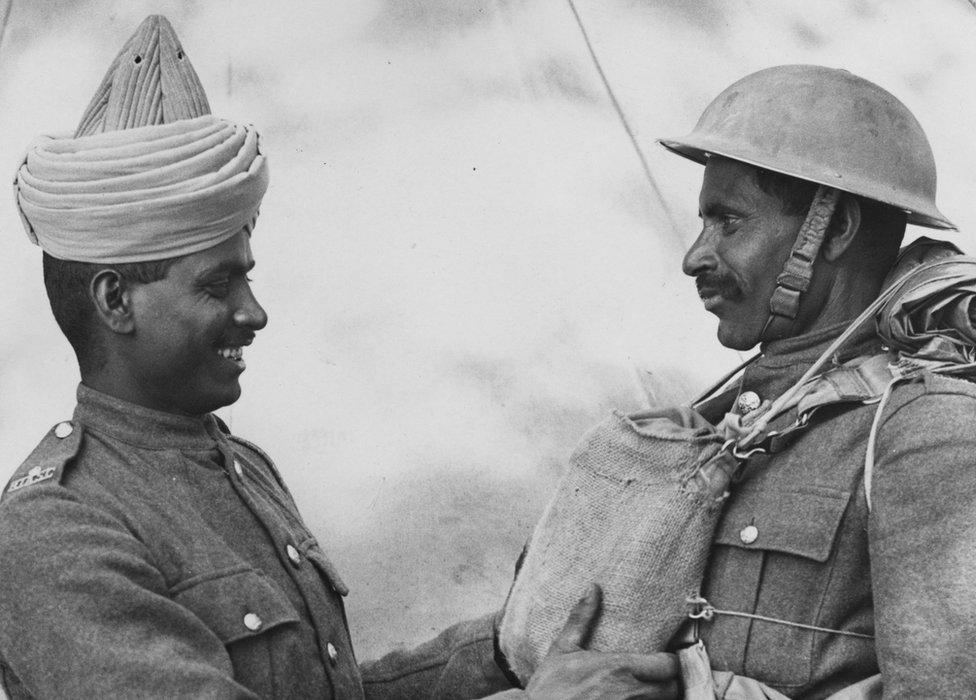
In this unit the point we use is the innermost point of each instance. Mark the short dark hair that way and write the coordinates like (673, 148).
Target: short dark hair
(882, 225)
(67, 283)
(794, 194)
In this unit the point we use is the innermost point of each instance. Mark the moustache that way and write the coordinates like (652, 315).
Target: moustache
(721, 285)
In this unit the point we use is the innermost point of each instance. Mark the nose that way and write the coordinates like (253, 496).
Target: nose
(250, 314)
(700, 257)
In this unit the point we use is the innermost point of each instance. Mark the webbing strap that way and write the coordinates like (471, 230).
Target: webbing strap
(862, 380)
(795, 278)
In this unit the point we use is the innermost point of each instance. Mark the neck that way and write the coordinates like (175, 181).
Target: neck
(116, 385)
(837, 294)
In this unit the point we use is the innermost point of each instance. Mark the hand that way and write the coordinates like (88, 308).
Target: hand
(571, 672)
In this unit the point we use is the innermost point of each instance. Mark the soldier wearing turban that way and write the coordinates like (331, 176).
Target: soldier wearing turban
(146, 551)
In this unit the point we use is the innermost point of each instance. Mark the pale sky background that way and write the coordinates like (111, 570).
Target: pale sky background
(462, 258)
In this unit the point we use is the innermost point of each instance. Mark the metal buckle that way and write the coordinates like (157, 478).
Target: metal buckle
(765, 445)
(761, 447)
(699, 608)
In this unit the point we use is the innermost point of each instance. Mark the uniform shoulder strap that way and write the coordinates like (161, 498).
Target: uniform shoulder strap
(861, 380)
(49, 459)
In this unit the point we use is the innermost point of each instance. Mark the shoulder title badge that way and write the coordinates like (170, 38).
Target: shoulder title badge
(32, 477)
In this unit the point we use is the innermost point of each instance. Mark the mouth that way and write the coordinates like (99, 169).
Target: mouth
(233, 354)
(711, 297)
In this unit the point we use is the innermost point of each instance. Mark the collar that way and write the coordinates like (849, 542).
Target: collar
(144, 427)
(807, 348)
(784, 361)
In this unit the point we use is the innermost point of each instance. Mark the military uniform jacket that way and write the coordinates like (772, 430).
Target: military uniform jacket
(797, 548)
(150, 555)
(797, 542)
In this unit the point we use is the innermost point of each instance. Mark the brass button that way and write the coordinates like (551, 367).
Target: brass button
(238, 470)
(63, 430)
(293, 554)
(333, 653)
(747, 402)
(253, 622)
(749, 534)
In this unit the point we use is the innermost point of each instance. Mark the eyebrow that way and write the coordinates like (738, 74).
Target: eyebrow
(713, 208)
(228, 266)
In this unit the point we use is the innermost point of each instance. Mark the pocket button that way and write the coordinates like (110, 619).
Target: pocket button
(749, 534)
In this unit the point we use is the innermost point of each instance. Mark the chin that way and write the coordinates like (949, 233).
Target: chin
(212, 400)
(736, 338)
(228, 398)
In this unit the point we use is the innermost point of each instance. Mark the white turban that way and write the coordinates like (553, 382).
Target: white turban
(150, 173)
(142, 194)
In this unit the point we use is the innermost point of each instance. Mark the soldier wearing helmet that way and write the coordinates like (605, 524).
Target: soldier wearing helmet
(821, 578)
(811, 175)
(776, 139)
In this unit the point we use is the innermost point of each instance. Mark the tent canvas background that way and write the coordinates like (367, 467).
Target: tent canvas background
(463, 258)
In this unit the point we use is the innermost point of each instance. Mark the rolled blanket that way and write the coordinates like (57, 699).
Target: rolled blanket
(142, 194)
(932, 315)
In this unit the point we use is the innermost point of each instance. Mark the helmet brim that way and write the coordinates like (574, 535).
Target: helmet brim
(695, 148)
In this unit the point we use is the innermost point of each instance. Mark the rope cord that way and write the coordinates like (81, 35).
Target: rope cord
(706, 612)
(623, 119)
(872, 440)
(948, 369)
(777, 621)
(784, 401)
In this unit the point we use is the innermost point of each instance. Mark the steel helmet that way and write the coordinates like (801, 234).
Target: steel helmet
(823, 125)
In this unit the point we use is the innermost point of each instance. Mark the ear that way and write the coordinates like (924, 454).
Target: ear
(843, 228)
(113, 302)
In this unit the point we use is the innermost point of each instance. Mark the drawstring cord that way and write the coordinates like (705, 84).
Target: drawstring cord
(701, 609)
(912, 369)
(792, 395)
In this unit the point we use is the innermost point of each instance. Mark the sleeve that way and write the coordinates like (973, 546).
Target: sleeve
(84, 613)
(458, 663)
(922, 532)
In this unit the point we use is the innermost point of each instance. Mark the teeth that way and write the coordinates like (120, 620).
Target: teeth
(234, 353)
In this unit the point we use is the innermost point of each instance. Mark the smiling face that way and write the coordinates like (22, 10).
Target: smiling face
(185, 352)
(745, 241)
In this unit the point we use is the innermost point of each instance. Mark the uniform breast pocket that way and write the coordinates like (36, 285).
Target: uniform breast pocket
(252, 617)
(777, 563)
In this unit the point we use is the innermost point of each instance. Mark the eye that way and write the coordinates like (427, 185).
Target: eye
(730, 222)
(217, 288)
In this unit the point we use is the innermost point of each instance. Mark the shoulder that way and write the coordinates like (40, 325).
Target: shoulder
(48, 526)
(47, 463)
(62, 486)
(932, 399)
(925, 452)
(931, 384)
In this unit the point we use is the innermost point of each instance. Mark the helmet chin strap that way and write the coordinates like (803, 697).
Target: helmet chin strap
(795, 278)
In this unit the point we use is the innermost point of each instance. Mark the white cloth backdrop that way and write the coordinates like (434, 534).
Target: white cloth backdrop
(463, 259)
